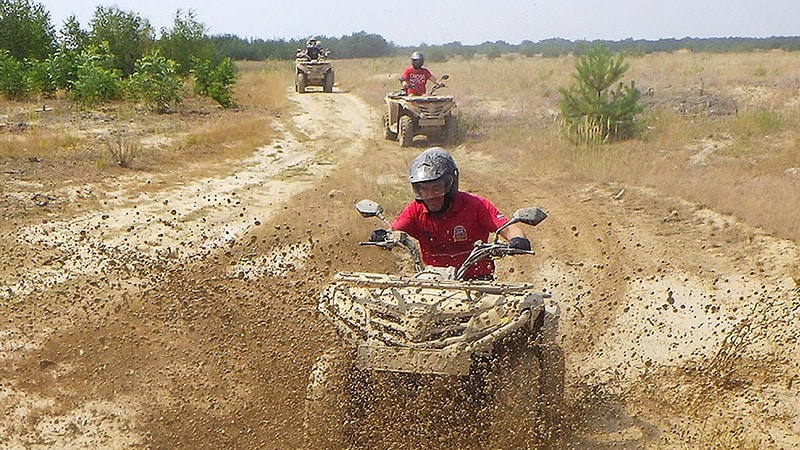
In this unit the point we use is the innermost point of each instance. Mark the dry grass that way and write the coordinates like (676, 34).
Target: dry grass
(263, 84)
(722, 127)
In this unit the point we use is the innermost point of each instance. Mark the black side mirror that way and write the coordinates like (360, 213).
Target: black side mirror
(529, 216)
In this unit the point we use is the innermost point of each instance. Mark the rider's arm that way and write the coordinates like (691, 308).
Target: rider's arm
(404, 78)
(429, 76)
(516, 237)
(513, 230)
(496, 219)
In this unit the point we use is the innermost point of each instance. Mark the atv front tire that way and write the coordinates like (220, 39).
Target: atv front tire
(388, 134)
(450, 129)
(405, 130)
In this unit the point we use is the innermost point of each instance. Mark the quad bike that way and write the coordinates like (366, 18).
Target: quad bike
(313, 72)
(409, 115)
(495, 334)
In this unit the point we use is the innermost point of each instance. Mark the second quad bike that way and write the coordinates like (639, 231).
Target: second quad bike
(431, 115)
(433, 322)
(313, 72)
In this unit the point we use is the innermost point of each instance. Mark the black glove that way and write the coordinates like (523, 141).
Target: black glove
(520, 243)
(380, 236)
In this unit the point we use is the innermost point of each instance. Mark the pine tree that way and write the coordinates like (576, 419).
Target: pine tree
(595, 112)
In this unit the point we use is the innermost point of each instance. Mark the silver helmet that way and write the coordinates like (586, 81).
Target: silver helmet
(417, 59)
(434, 164)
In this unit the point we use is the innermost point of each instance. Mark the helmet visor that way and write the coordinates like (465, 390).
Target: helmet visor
(427, 190)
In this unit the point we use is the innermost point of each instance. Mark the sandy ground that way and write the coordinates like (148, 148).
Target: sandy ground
(182, 315)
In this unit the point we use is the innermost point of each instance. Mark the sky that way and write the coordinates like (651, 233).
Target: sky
(467, 21)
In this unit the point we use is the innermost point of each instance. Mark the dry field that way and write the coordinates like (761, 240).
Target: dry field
(169, 304)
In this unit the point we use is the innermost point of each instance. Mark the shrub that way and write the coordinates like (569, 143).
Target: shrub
(13, 77)
(97, 81)
(122, 151)
(215, 82)
(63, 67)
(594, 112)
(40, 78)
(436, 55)
(156, 83)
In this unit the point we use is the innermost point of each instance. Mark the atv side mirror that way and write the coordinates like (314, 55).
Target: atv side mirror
(444, 77)
(529, 216)
(368, 208)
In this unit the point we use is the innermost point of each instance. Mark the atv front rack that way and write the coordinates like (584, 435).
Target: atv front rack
(420, 325)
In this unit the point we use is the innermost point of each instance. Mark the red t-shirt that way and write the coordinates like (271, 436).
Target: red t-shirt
(417, 79)
(446, 239)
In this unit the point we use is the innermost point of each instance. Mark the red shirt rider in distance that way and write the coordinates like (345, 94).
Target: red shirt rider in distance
(415, 78)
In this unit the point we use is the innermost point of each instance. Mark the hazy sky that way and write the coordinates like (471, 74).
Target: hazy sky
(466, 21)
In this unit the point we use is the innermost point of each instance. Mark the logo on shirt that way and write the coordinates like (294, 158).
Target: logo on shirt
(459, 233)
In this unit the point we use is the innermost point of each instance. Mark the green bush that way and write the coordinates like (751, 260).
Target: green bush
(156, 83)
(13, 77)
(215, 82)
(436, 55)
(593, 111)
(97, 81)
(40, 78)
(63, 67)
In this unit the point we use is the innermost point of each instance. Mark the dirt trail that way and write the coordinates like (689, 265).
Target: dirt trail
(182, 316)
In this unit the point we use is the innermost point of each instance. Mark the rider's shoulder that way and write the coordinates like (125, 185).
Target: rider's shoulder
(474, 200)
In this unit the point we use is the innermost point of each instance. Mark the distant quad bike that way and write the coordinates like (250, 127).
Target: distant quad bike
(500, 335)
(317, 72)
(409, 115)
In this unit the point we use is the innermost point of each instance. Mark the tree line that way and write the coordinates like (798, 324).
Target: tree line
(363, 45)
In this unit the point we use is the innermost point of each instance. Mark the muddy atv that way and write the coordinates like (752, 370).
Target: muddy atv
(431, 115)
(498, 336)
(313, 73)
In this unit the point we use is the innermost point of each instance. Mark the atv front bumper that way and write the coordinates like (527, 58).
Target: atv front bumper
(416, 360)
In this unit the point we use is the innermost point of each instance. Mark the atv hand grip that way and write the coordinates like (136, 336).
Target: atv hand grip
(516, 251)
(386, 245)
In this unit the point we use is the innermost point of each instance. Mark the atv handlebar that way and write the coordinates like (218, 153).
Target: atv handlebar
(437, 86)
(394, 238)
(480, 251)
(483, 251)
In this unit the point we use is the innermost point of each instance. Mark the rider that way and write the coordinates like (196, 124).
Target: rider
(445, 221)
(314, 49)
(414, 78)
